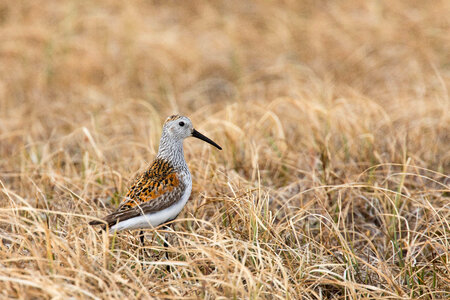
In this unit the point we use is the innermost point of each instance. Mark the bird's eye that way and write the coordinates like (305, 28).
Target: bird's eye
(181, 124)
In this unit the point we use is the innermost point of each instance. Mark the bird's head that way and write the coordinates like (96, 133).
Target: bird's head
(180, 127)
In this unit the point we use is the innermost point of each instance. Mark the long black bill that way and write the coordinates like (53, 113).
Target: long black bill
(198, 135)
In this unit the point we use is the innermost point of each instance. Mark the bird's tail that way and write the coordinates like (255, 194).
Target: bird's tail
(96, 222)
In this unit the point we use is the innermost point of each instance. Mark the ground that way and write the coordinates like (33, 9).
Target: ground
(335, 127)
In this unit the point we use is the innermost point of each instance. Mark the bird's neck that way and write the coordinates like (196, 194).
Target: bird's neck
(171, 150)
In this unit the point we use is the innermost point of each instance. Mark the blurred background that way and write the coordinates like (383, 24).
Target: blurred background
(72, 62)
(305, 97)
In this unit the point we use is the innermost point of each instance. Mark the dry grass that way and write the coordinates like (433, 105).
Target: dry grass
(334, 119)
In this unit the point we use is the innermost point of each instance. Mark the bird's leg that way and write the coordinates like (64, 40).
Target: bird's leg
(142, 237)
(166, 245)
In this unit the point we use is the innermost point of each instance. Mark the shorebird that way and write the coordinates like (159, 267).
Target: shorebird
(160, 193)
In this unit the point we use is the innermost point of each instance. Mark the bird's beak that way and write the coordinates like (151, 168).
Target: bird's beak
(198, 135)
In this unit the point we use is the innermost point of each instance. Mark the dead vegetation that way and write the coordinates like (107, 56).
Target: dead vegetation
(334, 119)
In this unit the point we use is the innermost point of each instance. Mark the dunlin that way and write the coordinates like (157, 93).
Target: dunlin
(160, 193)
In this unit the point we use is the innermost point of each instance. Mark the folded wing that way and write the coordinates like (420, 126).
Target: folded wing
(156, 189)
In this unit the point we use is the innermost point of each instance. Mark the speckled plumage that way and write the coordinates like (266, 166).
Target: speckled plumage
(154, 190)
(160, 193)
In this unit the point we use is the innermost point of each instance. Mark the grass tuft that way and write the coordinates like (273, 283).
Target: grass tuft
(334, 120)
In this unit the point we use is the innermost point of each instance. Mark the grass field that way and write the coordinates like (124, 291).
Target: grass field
(334, 118)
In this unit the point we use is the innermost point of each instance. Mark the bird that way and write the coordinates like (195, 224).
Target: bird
(158, 195)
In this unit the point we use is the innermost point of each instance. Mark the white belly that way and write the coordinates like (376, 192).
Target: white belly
(156, 218)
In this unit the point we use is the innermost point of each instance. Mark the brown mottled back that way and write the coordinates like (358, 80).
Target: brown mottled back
(156, 189)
